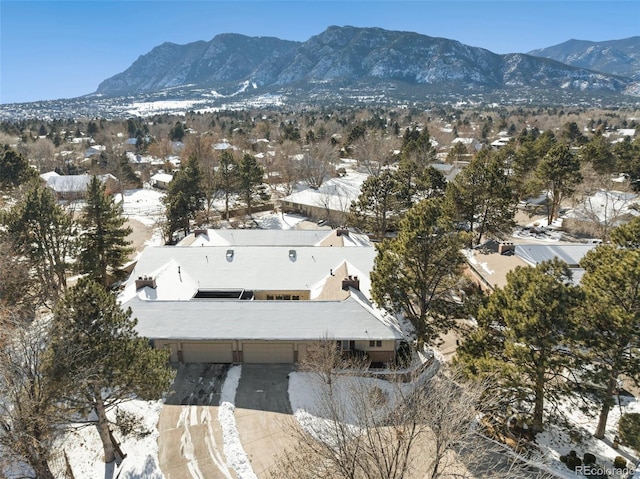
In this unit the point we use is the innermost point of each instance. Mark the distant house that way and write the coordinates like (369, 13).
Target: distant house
(472, 144)
(161, 180)
(74, 187)
(94, 150)
(330, 202)
(489, 266)
(229, 299)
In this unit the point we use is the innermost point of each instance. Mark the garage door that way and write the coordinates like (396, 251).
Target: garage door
(268, 353)
(202, 352)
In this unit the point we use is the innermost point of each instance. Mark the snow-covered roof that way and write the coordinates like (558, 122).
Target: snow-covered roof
(335, 194)
(245, 267)
(162, 177)
(571, 253)
(259, 320)
(48, 174)
(269, 237)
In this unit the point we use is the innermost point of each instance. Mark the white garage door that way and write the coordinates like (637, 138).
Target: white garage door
(268, 353)
(202, 352)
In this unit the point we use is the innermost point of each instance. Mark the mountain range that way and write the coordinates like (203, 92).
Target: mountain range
(373, 58)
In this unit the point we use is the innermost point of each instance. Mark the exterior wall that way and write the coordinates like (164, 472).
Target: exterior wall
(382, 353)
(271, 295)
(297, 349)
(315, 212)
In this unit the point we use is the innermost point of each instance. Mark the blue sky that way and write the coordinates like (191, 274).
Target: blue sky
(63, 49)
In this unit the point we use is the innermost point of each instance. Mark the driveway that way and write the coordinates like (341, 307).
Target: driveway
(190, 441)
(263, 414)
(190, 437)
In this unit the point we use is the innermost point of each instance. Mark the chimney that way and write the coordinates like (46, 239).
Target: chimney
(351, 282)
(144, 281)
(506, 247)
(342, 232)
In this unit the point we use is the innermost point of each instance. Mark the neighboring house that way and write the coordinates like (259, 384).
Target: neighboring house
(74, 187)
(94, 150)
(161, 180)
(472, 144)
(489, 264)
(449, 171)
(242, 303)
(330, 202)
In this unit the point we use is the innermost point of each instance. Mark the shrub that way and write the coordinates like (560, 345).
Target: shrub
(619, 462)
(571, 460)
(629, 430)
(588, 458)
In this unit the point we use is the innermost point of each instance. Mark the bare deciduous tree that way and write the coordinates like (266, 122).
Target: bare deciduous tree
(316, 166)
(372, 428)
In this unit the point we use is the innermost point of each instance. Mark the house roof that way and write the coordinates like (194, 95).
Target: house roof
(269, 238)
(571, 254)
(260, 320)
(181, 271)
(170, 311)
(163, 177)
(335, 194)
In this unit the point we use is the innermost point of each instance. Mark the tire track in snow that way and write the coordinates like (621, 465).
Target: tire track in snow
(210, 441)
(187, 450)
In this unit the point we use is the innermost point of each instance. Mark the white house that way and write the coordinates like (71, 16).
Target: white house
(258, 304)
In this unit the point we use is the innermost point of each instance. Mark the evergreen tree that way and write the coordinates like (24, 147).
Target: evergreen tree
(521, 333)
(104, 246)
(627, 235)
(610, 322)
(14, 168)
(481, 197)
(417, 273)
(98, 359)
(378, 203)
(227, 178)
(185, 197)
(559, 172)
(250, 180)
(598, 153)
(45, 234)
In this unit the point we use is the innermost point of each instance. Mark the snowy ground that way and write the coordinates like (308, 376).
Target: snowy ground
(555, 441)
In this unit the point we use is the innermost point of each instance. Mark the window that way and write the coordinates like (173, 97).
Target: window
(375, 344)
(269, 297)
(295, 297)
(345, 345)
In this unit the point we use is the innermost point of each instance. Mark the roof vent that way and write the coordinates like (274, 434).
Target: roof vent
(229, 255)
(292, 254)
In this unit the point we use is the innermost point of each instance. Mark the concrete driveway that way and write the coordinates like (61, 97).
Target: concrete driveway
(263, 414)
(190, 441)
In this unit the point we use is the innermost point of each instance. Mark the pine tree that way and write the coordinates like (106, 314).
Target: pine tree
(98, 359)
(45, 234)
(104, 246)
(378, 203)
(559, 172)
(185, 197)
(417, 273)
(14, 168)
(521, 333)
(481, 197)
(227, 178)
(250, 180)
(610, 321)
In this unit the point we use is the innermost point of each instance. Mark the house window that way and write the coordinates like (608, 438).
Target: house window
(345, 345)
(375, 344)
(295, 297)
(269, 297)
